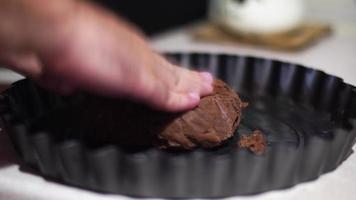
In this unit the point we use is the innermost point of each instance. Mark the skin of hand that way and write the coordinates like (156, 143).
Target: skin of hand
(68, 45)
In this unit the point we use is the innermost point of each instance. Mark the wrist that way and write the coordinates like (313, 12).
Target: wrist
(24, 25)
(49, 19)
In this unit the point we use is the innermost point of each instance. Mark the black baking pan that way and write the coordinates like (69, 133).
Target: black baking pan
(308, 117)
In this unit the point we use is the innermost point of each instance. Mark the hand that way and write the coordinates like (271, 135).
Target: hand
(70, 45)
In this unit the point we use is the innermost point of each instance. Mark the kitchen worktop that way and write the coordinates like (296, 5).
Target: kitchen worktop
(335, 55)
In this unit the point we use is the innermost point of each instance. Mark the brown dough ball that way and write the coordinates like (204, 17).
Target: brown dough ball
(213, 121)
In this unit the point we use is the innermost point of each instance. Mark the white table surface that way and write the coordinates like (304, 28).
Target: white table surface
(335, 55)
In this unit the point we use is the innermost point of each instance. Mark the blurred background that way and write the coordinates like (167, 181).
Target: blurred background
(159, 15)
(316, 33)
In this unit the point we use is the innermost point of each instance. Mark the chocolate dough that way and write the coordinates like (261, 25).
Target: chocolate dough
(256, 142)
(99, 120)
(213, 121)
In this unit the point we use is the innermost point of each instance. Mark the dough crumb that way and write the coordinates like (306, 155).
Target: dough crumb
(255, 142)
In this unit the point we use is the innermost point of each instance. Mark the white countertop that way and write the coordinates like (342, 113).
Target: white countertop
(335, 55)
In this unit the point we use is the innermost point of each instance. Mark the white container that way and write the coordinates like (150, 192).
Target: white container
(258, 16)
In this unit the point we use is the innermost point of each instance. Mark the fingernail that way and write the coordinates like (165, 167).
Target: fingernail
(194, 96)
(207, 77)
(208, 81)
